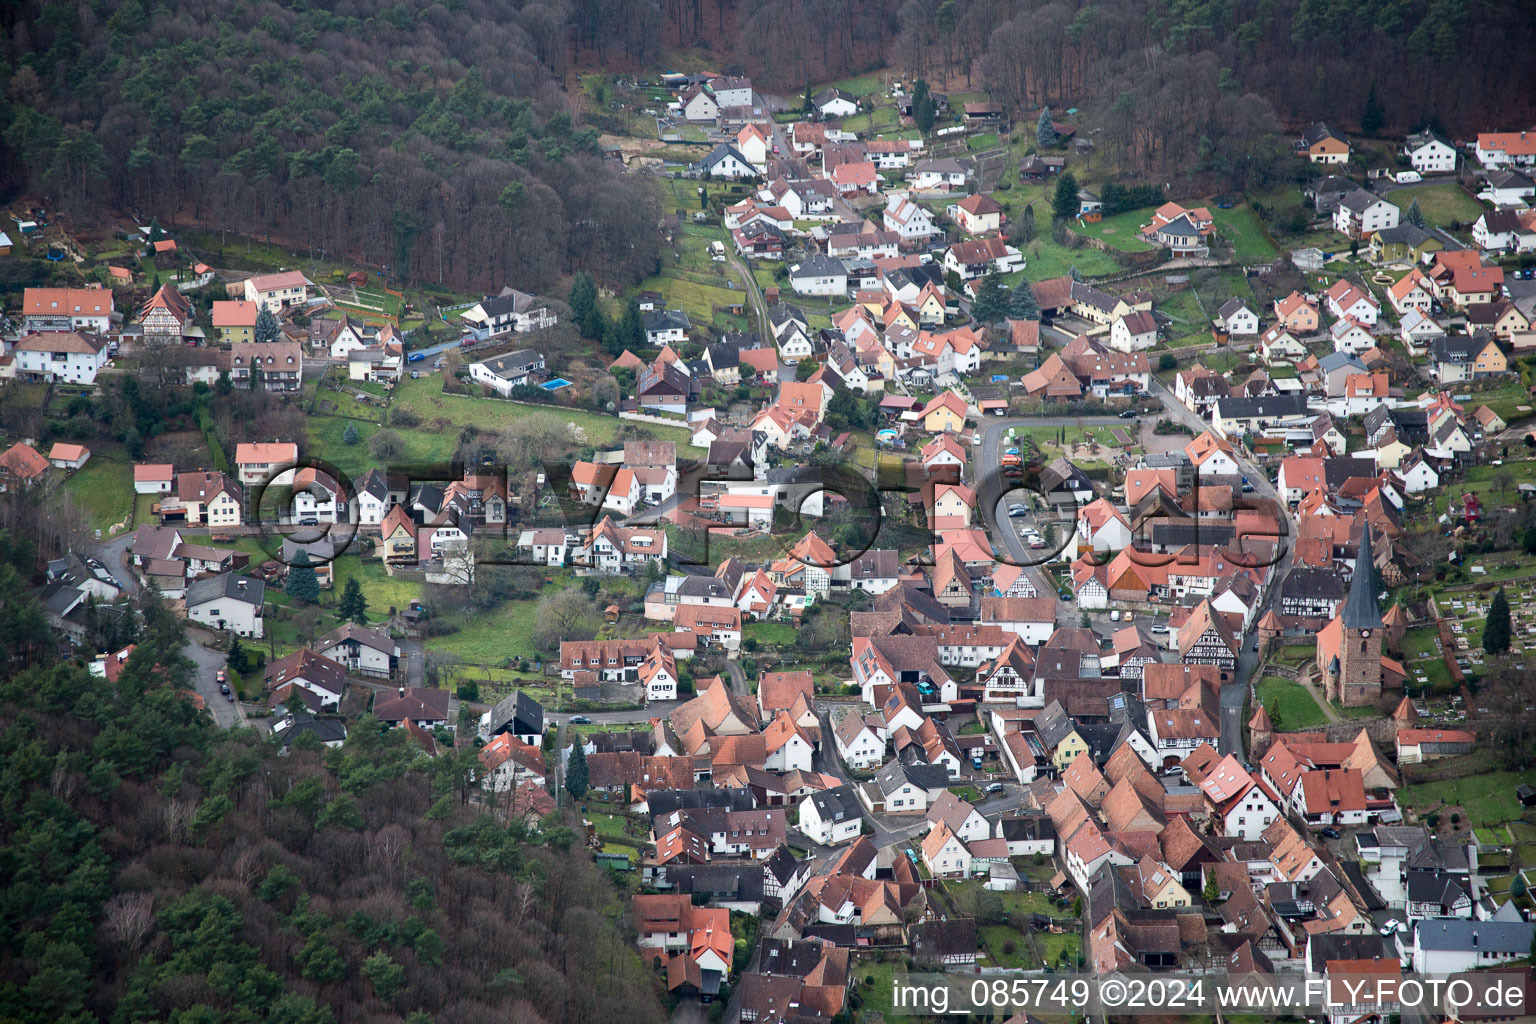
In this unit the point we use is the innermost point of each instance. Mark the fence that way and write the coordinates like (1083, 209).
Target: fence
(663, 421)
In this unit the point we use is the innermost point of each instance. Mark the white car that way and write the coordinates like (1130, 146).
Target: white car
(1391, 926)
(1114, 616)
(1156, 629)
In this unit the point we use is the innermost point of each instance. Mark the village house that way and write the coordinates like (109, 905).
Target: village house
(1506, 149)
(166, 315)
(277, 292)
(227, 602)
(256, 462)
(60, 356)
(1297, 314)
(977, 214)
(1430, 153)
(507, 312)
(504, 373)
(278, 365)
(1361, 214)
(1322, 145)
(63, 310)
(235, 319)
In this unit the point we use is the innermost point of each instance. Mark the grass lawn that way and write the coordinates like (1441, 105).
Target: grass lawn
(1442, 205)
(381, 590)
(1488, 799)
(874, 987)
(1242, 227)
(103, 492)
(1296, 706)
(863, 85)
(1044, 259)
(1485, 481)
(493, 637)
(1298, 654)
(769, 634)
(1120, 230)
(425, 398)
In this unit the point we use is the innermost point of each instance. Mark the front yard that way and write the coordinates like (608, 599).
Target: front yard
(1444, 206)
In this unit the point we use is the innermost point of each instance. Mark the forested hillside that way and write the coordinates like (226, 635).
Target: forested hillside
(430, 136)
(1169, 81)
(155, 869)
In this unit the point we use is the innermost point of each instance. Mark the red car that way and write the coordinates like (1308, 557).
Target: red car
(466, 343)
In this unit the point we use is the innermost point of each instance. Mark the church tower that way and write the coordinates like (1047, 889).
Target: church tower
(1351, 643)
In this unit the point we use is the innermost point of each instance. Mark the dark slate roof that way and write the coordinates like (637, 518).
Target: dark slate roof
(1314, 584)
(817, 265)
(720, 153)
(1327, 947)
(935, 940)
(840, 803)
(1191, 531)
(721, 881)
(1361, 610)
(665, 320)
(1453, 933)
(1434, 887)
(329, 730)
(923, 776)
(1269, 405)
(1026, 827)
(231, 585)
(509, 301)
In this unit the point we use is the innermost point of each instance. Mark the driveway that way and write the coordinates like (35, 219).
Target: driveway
(111, 554)
(227, 713)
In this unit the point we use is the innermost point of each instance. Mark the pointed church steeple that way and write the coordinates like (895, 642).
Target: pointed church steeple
(1360, 609)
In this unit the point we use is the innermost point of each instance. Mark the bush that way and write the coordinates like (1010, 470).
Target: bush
(1167, 361)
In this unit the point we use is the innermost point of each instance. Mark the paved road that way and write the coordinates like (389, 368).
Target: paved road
(227, 713)
(754, 294)
(111, 555)
(991, 486)
(1234, 693)
(738, 678)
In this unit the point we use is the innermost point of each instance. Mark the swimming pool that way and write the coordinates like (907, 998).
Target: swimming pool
(556, 384)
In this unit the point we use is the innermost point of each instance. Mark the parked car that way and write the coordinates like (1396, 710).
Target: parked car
(309, 521)
(224, 688)
(580, 720)
(1408, 177)
(466, 343)
(1329, 833)
(1114, 616)
(996, 787)
(1157, 628)
(1128, 414)
(415, 375)
(1015, 511)
(415, 357)
(220, 677)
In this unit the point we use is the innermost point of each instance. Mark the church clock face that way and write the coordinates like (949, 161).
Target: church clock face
(1365, 634)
